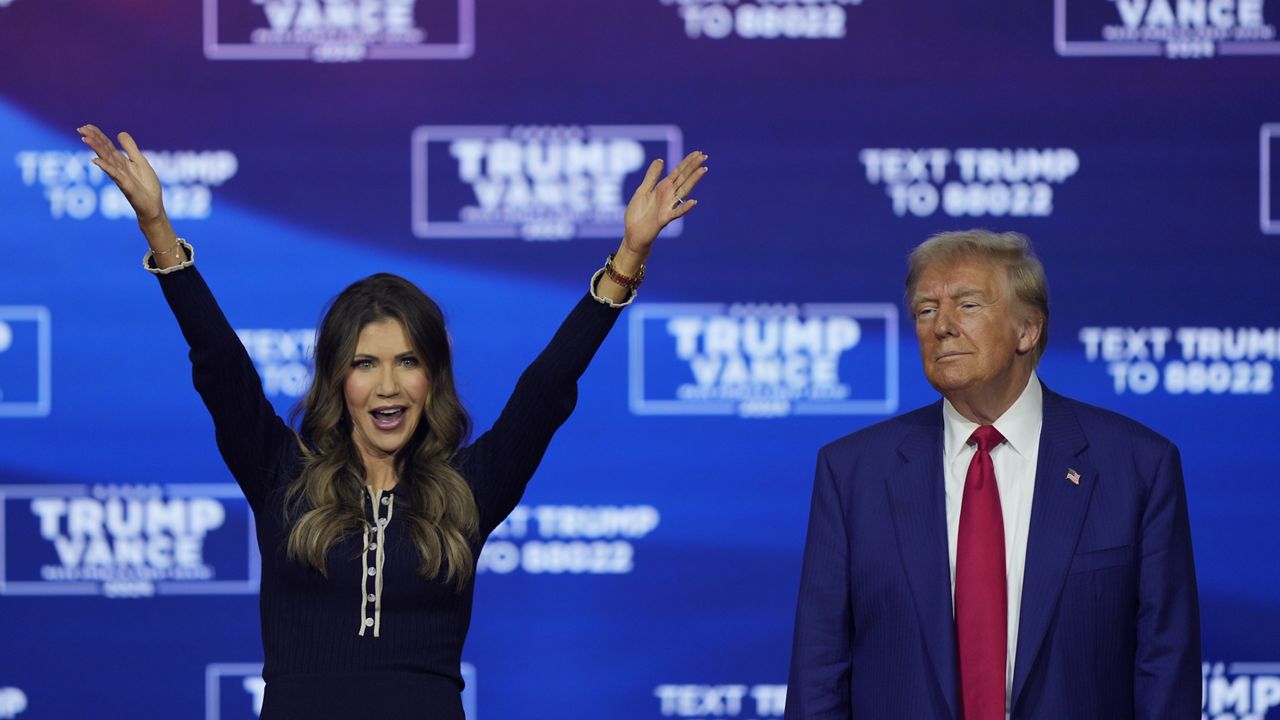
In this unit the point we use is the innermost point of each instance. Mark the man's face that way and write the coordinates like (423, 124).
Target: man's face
(974, 341)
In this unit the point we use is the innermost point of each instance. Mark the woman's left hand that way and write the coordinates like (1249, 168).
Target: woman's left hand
(652, 206)
(655, 203)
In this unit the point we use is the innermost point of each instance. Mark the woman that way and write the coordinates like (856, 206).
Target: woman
(370, 517)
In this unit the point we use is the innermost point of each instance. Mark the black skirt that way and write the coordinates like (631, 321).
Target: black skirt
(400, 695)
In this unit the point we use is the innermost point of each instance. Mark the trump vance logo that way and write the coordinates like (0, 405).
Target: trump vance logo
(764, 360)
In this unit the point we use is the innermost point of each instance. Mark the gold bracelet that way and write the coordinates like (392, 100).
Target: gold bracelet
(176, 250)
(186, 256)
(626, 281)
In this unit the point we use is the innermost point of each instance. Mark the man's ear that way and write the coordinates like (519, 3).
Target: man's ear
(1029, 332)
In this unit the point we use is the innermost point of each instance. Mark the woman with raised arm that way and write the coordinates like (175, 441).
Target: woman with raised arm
(371, 514)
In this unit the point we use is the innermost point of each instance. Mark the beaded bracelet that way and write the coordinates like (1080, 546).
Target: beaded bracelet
(626, 281)
(592, 286)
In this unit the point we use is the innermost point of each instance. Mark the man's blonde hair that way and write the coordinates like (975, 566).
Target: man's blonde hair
(1010, 250)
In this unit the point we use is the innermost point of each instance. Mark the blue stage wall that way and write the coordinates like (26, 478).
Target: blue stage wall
(484, 150)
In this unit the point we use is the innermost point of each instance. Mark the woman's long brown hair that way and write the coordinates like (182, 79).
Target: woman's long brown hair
(328, 495)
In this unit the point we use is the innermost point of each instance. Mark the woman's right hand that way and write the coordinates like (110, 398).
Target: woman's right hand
(131, 173)
(137, 180)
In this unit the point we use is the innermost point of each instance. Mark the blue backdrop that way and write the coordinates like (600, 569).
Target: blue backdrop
(484, 150)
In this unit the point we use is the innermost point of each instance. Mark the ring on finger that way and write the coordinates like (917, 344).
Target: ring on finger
(679, 202)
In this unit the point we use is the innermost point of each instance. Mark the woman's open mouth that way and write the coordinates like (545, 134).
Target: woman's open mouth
(388, 418)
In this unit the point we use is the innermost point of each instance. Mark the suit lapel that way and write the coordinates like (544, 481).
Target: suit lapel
(1057, 515)
(918, 503)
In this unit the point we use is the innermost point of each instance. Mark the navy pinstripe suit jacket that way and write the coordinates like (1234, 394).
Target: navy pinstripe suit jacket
(1109, 626)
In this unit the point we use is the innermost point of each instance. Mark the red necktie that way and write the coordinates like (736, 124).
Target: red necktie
(981, 592)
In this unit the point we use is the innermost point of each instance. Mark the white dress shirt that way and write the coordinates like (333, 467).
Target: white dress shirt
(1015, 467)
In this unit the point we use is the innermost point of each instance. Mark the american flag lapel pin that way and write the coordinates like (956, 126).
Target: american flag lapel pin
(1073, 476)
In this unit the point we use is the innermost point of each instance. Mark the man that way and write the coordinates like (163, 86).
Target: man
(1005, 552)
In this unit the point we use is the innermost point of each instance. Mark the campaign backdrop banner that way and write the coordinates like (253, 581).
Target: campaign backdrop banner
(486, 151)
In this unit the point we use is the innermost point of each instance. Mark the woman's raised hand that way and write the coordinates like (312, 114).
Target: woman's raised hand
(657, 203)
(654, 204)
(135, 178)
(131, 173)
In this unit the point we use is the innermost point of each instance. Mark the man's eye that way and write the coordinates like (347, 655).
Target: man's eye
(925, 312)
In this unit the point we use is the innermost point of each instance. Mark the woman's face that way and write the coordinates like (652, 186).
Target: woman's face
(386, 390)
